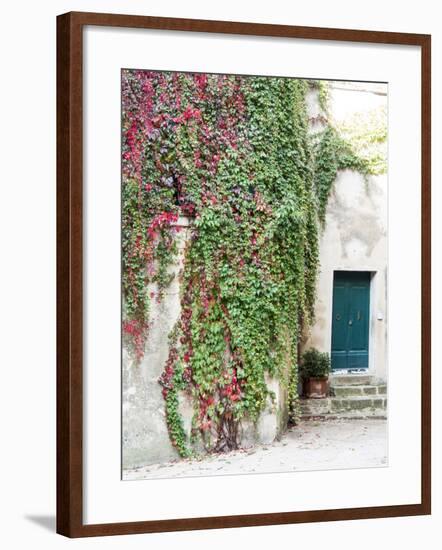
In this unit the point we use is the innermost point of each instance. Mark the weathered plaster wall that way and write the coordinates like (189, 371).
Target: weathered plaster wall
(355, 235)
(145, 436)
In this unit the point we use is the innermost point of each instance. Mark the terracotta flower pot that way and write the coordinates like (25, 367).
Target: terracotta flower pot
(316, 388)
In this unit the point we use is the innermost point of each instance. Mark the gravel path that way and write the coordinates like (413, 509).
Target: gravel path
(313, 445)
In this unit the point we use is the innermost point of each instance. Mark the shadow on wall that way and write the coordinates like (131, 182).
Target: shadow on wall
(46, 522)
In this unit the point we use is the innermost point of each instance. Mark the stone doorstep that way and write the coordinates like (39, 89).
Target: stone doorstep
(346, 391)
(350, 380)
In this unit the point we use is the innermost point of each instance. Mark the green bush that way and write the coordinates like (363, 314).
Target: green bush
(315, 364)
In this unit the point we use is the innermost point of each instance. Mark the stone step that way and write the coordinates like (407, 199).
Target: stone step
(345, 407)
(358, 390)
(354, 415)
(358, 403)
(350, 380)
(315, 407)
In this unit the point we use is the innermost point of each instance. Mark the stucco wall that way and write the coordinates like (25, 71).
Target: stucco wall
(355, 234)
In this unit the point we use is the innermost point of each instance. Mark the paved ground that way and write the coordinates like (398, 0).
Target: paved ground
(313, 445)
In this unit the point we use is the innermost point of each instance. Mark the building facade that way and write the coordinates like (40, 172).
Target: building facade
(351, 309)
(351, 305)
(350, 314)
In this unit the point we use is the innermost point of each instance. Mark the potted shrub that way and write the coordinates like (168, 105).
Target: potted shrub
(314, 370)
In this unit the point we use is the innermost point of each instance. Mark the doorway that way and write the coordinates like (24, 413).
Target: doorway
(350, 320)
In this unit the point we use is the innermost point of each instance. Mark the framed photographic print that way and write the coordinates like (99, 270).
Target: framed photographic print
(243, 291)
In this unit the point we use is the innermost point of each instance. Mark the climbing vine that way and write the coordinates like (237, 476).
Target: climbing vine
(333, 153)
(367, 133)
(358, 144)
(234, 155)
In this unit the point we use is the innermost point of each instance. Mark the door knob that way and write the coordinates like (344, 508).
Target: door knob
(350, 322)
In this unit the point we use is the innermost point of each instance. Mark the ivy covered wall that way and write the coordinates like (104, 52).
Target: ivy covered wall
(235, 156)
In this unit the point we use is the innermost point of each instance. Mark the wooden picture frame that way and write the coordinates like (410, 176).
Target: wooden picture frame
(70, 272)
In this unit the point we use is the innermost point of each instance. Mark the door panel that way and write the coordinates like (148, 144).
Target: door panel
(350, 323)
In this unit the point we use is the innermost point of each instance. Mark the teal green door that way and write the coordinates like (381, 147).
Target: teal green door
(350, 325)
